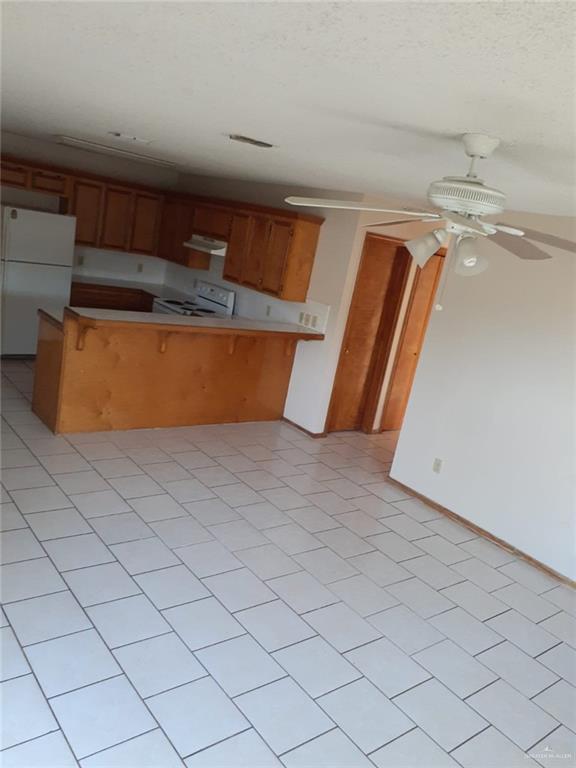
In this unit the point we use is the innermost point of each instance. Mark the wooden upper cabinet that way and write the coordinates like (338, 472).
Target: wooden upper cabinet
(213, 222)
(238, 246)
(117, 218)
(15, 175)
(269, 250)
(271, 254)
(253, 266)
(86, 205)
(277, 250)
(145, 223)
(168, 229)
(175, 229)
(48, 181)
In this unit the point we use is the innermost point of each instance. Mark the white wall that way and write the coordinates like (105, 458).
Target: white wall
(494, 397)
(93, 262)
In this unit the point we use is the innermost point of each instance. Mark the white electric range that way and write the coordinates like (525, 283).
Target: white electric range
(210, 301)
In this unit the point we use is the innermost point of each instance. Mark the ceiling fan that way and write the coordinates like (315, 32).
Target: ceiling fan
(460, 203)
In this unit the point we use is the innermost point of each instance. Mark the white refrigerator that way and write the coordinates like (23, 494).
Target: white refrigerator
(37, 258)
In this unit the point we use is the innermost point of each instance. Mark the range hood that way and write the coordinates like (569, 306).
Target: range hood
(206, 245)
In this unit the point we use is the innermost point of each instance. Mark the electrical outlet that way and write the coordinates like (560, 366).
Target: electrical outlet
(140, 267)
(80, 260)
(314, 322)
(301, 318)
(437, 466)
(307, 319)
(268, 310)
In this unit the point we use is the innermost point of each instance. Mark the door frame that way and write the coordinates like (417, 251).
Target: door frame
(392, 317)
(385, 333)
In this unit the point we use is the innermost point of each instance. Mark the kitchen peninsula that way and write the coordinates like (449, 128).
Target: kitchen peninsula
(99, 369)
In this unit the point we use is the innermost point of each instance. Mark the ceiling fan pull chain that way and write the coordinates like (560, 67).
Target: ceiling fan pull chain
(446, 269)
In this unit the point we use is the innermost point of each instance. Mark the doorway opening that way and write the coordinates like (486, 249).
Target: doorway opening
(385, 330)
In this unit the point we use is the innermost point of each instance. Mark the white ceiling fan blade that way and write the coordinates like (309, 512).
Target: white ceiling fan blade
(520, 247)
(398, 221)
(352, 205)
(507, 230)
(553, 240)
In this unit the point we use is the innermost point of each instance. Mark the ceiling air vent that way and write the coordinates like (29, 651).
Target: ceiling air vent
(248, 140)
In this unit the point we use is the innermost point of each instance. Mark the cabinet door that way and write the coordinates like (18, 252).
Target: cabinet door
(252, 269)
(86, 205)
(117, 218)
(15, 175)
(238, 246)
(145, 223)
(279, 241)
(47, 181)
(168, 229)
(110, 297)
(214, 222)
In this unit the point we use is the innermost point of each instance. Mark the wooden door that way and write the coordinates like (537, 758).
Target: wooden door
(371, 320)
(145, 223)
(238, 246)
(279, 240)
(410, 344)
(87, 197)
(117, 218)
(253, 266)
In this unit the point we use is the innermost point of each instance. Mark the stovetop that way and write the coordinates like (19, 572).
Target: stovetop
(208, 301)
(189, 308)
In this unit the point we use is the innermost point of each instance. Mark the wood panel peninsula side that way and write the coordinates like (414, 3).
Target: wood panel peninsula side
(99, 370)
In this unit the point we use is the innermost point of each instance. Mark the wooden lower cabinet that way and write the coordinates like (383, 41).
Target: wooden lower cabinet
(100, 296)
(96, 374)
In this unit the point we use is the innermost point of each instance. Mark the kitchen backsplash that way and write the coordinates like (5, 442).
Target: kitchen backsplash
(250, 304)
(91, 262)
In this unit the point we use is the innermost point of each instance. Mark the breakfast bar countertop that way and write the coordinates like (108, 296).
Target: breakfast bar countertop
(242, 325)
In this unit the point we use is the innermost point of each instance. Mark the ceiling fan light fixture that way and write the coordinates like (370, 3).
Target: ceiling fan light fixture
(469, 261)
(423, 248)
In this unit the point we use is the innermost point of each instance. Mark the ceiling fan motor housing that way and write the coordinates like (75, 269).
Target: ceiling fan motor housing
(466, 196)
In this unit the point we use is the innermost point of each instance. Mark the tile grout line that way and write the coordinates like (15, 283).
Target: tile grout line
(327, 586)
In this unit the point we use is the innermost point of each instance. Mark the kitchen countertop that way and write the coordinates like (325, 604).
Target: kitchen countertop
(211, 324)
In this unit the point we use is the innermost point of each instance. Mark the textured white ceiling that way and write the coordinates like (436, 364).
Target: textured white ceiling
(332, 84)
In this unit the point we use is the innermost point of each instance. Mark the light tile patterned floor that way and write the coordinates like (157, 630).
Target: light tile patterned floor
(244, 595)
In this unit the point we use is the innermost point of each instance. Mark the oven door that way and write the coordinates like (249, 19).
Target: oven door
(164, 309)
